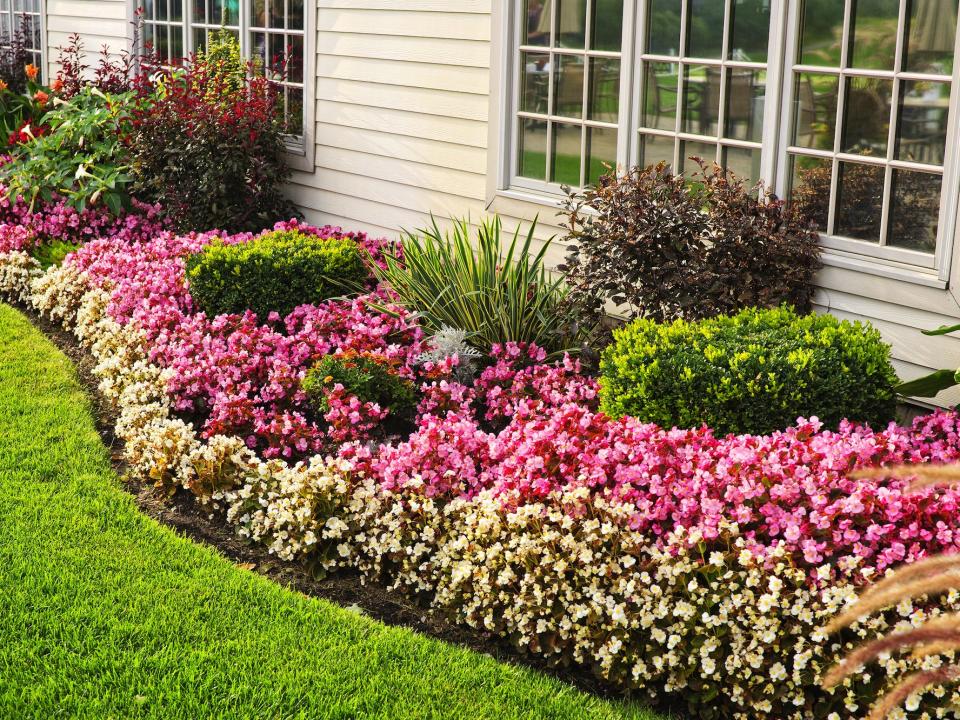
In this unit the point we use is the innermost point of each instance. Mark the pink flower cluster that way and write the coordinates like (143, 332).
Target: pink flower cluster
(791, 487)
(525, 428)
(23, 227)
(239, 374)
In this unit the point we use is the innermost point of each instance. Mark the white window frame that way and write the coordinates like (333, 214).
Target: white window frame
(899, 263)
(300, 148)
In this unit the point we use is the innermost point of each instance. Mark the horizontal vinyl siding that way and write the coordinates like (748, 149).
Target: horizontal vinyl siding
(402, 104)
(99, 22)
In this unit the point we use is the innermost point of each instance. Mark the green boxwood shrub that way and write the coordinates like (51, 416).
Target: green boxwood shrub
(275, 272)
(754, 372)
(372, 378)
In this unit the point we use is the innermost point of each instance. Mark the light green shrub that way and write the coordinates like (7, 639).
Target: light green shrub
(754, 372)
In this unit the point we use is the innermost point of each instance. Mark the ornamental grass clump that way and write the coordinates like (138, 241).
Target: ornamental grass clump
(754, 372)
(273, 273)
(495, 289)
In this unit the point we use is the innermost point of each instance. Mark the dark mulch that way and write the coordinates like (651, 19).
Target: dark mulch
(182, 513)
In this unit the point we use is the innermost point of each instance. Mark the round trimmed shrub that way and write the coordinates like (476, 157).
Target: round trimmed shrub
(754, 372)
(370, 377)
(275, 272)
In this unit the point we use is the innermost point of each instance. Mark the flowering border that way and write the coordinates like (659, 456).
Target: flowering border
(563, 575)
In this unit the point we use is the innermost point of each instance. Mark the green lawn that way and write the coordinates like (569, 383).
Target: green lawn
(106, 614)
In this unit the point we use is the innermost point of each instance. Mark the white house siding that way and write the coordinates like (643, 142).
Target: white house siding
(99, 22)
(406, 125)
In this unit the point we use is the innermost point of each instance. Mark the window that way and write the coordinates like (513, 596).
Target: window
(25, 17)
(271, 30)
(844, 106)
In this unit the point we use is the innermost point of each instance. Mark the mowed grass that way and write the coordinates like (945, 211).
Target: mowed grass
(106, 614)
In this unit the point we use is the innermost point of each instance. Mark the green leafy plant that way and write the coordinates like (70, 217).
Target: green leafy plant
(936, 382)
(273, 273)
(495, 290)
(82, 158)
(370, 377)
(754, 372)
(53, 253)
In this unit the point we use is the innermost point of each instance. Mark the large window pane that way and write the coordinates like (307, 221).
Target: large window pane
(532, 162)
(705, 28)
(568, 86)
(821, 32)
(874, 34)
(571, 23)
(866, 123)
(701, 100)
(601, 152)
(537, 27)
(746, 90)
(655, 149)
(750, 32)
(691, 151)
(604, 90)
(931, 32)
(809, 188)
(815, 110)
(663, 27)
(660, 96)
(607, 25)
(567, 151)
(922, 121)
(860, 201)
(743, 162)
(914, 210)
(534, 82)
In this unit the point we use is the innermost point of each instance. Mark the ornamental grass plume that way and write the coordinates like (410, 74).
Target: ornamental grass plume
(925, 578)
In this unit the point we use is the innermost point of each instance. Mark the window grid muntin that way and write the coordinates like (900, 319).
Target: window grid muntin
(724, 65)
(897, 76)
(553, 50)
(13, 13)
(246, 31)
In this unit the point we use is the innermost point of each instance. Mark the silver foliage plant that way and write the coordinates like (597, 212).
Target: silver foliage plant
(449, 341)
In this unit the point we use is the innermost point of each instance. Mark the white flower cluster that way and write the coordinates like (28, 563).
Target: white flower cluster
(17, 270)
(563, 578)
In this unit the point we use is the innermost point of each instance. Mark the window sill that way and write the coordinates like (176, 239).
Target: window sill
(530, 196)
(870, 266)
(298, 158)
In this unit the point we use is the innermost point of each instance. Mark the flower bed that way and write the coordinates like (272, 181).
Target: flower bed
(696, 567)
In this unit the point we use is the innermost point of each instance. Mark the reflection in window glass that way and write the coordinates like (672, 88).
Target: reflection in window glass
(604, 90)
(931, 32)
(746, 89)
(809, 188)
(655, 149)
(691, 151)
(663, 27)
(568, 87)
(815, 100)
(660, 96)
(922, 121)
(607, 25)
(701, 100)
(601, 153)
(821, 33)
(565, 168)
(533, 149)
(744, 163)
(859, 201)
(750, 30)
(704, 37)
(534, 82)
(914, 210)
(571, 22)
(537, 28)
(866, 117)
(874, 34)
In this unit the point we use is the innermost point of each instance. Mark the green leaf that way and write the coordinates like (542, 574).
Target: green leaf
(930, 385)
(942, 330)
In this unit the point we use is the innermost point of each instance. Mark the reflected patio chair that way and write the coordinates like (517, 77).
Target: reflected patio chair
(740, 97)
